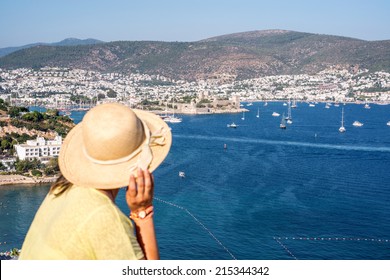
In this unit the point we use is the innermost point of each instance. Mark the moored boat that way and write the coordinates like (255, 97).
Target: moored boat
(172, 119)
(232, 125)
(357, 123)
(342, 128)
(283, 123)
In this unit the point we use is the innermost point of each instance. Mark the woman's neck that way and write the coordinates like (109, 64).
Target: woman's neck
(111, 194)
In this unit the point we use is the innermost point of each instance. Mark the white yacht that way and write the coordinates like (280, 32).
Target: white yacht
(275, 114)
(173, 119)
(357, 123)
(232, 125)
(388, 123)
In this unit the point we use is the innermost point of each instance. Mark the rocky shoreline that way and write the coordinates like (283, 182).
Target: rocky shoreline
(24, 180)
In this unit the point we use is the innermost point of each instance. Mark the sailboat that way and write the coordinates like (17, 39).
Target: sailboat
(172, 118)
(342, 128)
(283, 123)
(289, 118)
(243, 115)
(294, 104)
(258, 113)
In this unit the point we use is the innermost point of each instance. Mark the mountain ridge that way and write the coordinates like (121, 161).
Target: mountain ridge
(66, 42)
(232, 56)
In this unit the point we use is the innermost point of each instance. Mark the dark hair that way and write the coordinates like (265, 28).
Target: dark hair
(60, 186)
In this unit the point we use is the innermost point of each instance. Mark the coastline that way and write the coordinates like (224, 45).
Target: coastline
(24, 180)
(214, 111)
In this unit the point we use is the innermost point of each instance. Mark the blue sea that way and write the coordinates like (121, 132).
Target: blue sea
(259, 192)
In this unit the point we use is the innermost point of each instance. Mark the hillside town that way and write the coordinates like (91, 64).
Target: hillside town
(63, 90)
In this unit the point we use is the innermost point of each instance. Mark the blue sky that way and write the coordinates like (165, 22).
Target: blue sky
(30, 21)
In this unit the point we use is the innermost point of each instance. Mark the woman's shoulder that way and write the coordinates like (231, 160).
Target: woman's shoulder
(88, 200)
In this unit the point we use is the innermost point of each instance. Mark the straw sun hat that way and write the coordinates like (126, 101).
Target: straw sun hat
(112, 142)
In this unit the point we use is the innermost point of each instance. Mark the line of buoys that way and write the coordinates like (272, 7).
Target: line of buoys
(199, 222)
(334, 239)
(280, 239)
(285, 248)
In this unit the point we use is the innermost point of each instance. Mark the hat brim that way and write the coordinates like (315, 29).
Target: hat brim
(77, 168)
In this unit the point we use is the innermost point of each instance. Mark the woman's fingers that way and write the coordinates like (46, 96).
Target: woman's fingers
(140, 183)
(132, 190)
(147, 181)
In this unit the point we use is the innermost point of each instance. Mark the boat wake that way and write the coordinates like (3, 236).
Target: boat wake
(287, 143)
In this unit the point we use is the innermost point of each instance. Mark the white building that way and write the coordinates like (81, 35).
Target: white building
(39, 148)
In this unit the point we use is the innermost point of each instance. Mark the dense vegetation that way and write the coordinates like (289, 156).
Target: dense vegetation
(21, 117)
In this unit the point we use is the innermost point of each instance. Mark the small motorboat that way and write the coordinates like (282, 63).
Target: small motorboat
(232, 125)
(357, 123)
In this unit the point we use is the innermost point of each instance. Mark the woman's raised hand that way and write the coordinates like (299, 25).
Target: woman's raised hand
(139, 194)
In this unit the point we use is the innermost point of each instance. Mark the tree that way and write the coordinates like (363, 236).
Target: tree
(23, 166)
(2, 166)
(53, 112)
(101, 96)
(36, 173)
(6, 144)
(111, 93)
(52, 167)
(14, 112)
(34, 116)
(14, 252)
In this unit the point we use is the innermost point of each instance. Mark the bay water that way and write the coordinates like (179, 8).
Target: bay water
(260, 192)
